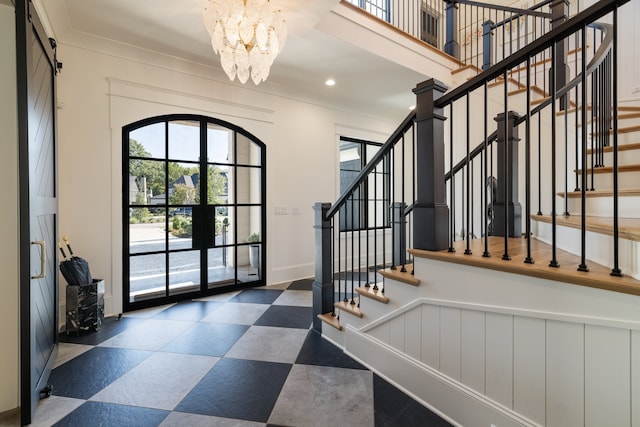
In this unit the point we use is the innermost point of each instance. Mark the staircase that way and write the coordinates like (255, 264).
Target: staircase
(514, 303)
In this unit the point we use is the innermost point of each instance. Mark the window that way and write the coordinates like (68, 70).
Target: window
(429, 22)
(369, 207)
(378, 8)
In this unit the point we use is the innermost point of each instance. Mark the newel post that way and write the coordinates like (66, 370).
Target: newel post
(430, 213)
(323, 284)
(559, 14)
(507, 208)
(451, 45)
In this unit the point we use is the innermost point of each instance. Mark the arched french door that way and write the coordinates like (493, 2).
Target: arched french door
(193, 209)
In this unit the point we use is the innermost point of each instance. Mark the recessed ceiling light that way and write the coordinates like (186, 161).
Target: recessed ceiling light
(330, 82)
(413, 107)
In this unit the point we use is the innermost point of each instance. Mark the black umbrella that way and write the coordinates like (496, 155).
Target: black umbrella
(75, 269)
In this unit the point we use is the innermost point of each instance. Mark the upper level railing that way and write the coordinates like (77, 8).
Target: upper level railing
(476, 33)
(428, 181)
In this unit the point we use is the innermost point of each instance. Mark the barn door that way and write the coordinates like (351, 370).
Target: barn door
(38, 206)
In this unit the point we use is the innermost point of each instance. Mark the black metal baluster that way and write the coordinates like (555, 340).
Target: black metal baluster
(614, 91)
(375, 229)
(583, 198)
(552, 78)
(485, 181)
(366, 216)
(451, 182)
(539, 163)
(566, 158)
(527, 185)
(403, 269)
(333, 262)
(467, 251)
(507, 166)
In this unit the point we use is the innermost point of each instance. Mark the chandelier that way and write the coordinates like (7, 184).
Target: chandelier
(248, 35)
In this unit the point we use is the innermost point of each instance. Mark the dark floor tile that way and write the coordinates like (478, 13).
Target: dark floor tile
(110, 328)
(320, 352)
(301, 285)
(234, 388)
(106, 414)
(257, 296)
(192, 311)
(394, 408)
(285, 316)
(209, 339)
(87, 374)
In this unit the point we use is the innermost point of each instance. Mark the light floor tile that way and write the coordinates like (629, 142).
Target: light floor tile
(160, 382)
(152, 334)
(220, 297)
(269, 344)
(147, 313)
(295, 298)
(324, 396)
(53, 409)
(181, 419)
(277, 286)
(239, 313)
(68, 351)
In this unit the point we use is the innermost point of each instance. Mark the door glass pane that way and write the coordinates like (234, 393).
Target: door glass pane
(249, 263)
(184, 141)
(249, 185)
(184, 183)
(219, 144)
(146, 277)
(184, 272)
(225, 225)
(147, 230)
(146, 182)
(218, 184)
(180, 228)
(249, 153)
(249, 222)
(148, 141)
(220, 266)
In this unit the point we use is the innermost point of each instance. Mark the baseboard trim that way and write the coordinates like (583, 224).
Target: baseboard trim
(446, 397)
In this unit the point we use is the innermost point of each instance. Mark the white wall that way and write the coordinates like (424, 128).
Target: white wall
(9, 261)
(102, 87)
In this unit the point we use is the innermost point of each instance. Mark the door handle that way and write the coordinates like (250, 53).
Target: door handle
(43, 259)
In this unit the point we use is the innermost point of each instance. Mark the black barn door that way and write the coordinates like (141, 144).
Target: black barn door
(38, 206)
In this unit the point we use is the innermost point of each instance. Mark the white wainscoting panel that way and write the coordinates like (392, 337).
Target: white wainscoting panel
(431, 336)
(450, 342)
(499, 367)
(412, 335)
(396, 333)
(381, 332)
(607, 379)
(635, 378)
(473, 349)
(565, 374)
(529, 366)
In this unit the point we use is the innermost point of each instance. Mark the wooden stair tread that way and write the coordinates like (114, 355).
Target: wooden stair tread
(369, 292)
(331, 320)
(597, 277)
(609, 169)
(466, 67)
(350, 308)
(405, 277)
(621, 147)
(602, 193)
(628, 228)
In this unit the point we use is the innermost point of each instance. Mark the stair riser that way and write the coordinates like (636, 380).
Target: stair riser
(625, 157)
(604, 181)
(628, 206)
(599, 247)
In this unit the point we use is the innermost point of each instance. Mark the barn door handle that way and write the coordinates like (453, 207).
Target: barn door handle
(43, 259)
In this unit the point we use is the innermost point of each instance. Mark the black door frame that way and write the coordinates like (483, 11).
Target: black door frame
(204, 290)
(28, 23)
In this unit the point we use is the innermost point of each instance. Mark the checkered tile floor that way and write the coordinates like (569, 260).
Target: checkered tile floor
(240, 359)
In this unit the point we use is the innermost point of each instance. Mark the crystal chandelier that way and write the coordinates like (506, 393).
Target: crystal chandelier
(248, 34)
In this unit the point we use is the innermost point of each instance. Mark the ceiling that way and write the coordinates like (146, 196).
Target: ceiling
(309, 57)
